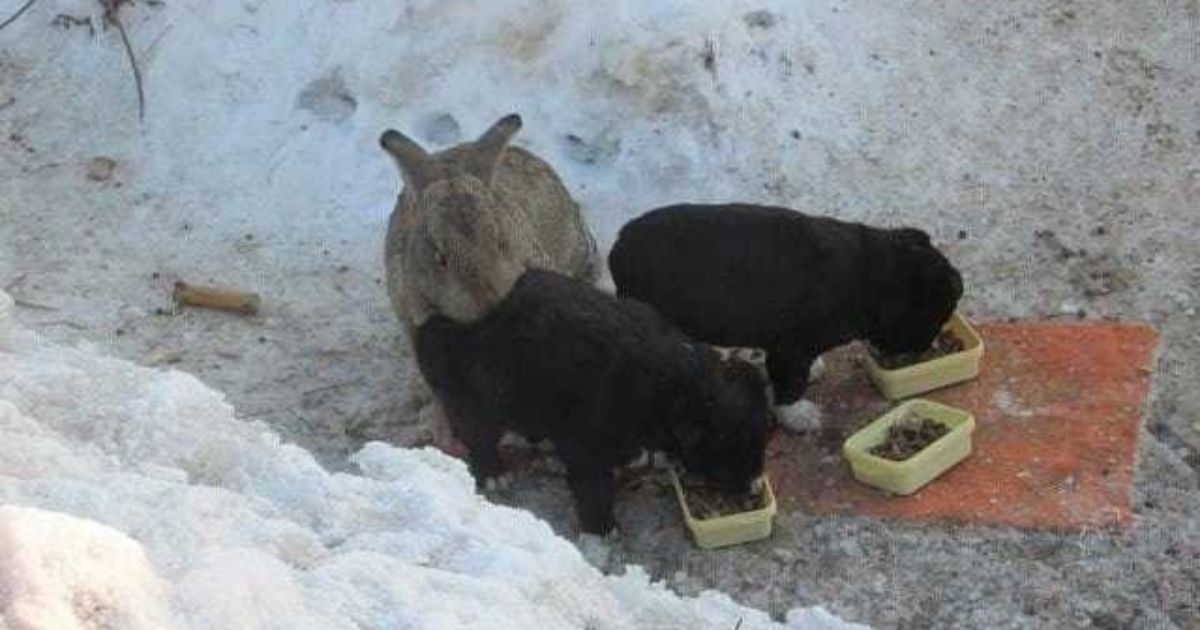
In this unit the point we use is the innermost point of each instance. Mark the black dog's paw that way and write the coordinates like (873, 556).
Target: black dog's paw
(484, 468)
(498, 483)
(801, 416)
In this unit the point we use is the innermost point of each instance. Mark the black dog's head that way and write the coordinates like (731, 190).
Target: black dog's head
(920, 295)
(723, 429)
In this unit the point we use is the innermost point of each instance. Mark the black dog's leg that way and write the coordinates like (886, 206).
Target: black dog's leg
(594, 489)
(481, 438)
(788, 370)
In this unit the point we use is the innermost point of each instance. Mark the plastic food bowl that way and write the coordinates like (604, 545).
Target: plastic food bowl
(729, 529)
(908, 476)
(919, 378)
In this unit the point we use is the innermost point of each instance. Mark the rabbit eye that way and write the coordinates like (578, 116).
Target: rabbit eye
(441, 260)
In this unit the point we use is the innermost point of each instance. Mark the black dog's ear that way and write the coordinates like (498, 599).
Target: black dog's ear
(914, 236)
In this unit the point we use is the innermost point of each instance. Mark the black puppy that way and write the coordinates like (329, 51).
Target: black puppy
(792, 284)
(602, 379)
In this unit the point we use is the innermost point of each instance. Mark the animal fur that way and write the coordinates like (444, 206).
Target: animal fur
(470, 219)
(793, 284)
(602, 379)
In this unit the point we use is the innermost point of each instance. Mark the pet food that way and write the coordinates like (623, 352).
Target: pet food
(706, 502)
(908, 436)
(945, 344)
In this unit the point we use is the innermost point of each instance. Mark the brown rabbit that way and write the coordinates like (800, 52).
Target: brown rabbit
(471, 219)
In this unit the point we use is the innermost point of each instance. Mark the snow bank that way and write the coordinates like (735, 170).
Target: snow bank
(248, 532)
(62, 572)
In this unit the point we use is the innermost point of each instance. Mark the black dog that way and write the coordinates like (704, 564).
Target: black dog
(792, 284)
(601, 378)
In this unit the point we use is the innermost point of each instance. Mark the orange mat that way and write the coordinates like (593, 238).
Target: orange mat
(1057, 406)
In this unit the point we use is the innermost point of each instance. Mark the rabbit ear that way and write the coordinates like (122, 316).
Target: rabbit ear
(491, 144)
(409, 155)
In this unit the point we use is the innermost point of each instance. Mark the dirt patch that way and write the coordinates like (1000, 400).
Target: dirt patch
(1103, 274)
(526, 39)
(328, 98)
(909, 436)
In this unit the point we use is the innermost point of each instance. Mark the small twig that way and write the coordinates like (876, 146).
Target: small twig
(111, 17)
(34, 305)
(13, 18)
(62, 322)
(325, 388)
(160, 357)
(15, 281)
(65, 21)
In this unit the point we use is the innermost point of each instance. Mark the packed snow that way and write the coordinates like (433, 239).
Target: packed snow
(59, 571)
(146, 502)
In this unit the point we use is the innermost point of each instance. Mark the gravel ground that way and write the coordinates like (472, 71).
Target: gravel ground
(1074, 141)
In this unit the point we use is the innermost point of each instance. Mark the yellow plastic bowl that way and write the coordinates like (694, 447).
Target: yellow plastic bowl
(730, 529)
(930, 375)
(908, 476)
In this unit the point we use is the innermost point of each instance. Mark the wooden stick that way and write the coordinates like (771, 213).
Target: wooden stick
(14, 16)
(242, 302)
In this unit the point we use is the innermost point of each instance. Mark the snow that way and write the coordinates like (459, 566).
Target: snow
(143, 495)
(264, 114)
(985, 123)
(67, 573)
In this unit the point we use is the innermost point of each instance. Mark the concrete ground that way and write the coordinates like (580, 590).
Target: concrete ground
(1075, 197)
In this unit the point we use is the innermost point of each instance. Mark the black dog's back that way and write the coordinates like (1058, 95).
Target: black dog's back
(795, 285)
(735, 274)
(600, 377)
(541, 352)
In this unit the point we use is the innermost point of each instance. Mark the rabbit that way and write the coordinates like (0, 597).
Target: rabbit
(467, 222)
(470, 219)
